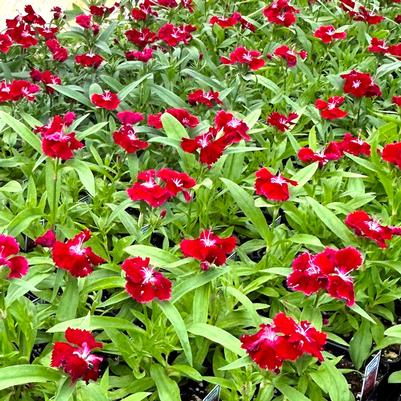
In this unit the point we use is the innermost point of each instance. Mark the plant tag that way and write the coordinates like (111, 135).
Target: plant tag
(214, 395)
(370, 376)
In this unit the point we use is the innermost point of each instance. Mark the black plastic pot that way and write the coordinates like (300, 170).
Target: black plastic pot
(393, 365)
(385, 391)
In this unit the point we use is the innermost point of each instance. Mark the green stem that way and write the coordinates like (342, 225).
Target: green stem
(358, 112)
(55, 197)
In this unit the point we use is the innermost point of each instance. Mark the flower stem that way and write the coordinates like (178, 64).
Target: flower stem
(55, 197)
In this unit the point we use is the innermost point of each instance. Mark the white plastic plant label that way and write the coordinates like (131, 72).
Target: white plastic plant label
(214, 395)
(370, 376)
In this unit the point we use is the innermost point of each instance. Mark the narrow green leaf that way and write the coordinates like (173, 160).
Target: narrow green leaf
(23, 220)
(22, 130)
(167, 388)
(123, 93)
(195, 281)
(173, 315)
(85, 175)
(172, 127)
(247, 204)
(218, 336)
(72, 94)
(291, 393)
(68, 305)
(95, 323)
(24, 374)
(332, 222)
(168, 97)
(158, 256)
(136, 397)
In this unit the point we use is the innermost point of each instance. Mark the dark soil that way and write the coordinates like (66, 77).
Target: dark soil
(194, 391)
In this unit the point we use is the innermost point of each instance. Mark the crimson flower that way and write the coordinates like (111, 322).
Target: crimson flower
(18, 89)
(330, 110)
(395, 50)
(47, 78)
(392, 153)
(397, 100)
(209, 248)
(102, 11)
(56, 142)
(328, 271)
(5, 43)
(107, 100)
(126, 137)
(183, 116)
(209, 99)
(177, 182)
(84, 20)
(154, 193)
(281, 121)
(281, 13)
(233, 128)
(283, 340)
(355, 146)
(47, 240)
(71, 256)
(144, 283)
(378, 46)
(9, 248)
(241, 55)
(331, 152)
(328, 34)
(366, 226)
(360, 84)
(211, 148)
(140, 55)
(273, 187)
(127, 117)
(48, 32)
(21, 32)
(59, 52)
(145, 9)
(75, 357)
(89, 60)
(289, 55)
(141, 38)
(302, 335)
(173, 35)
(365, 15)
(148, 190)
(234, 19)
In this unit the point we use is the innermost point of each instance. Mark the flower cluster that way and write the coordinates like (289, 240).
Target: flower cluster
(241, 55)
(283, 340)
(73, 257)
(182, 115)
(154, 193)
(226, 131)
(125, 136)
(273, 187)
(281, 121)
(328, 271)
(9, 249)
(235, 19)
(280, 12)
(144, 283)
(76, 356)
(366, 226)
(56, 142)
(335, 150)
(18, 89)
(209, 248)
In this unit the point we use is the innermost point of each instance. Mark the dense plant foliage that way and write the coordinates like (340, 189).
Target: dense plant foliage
(198, 191)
